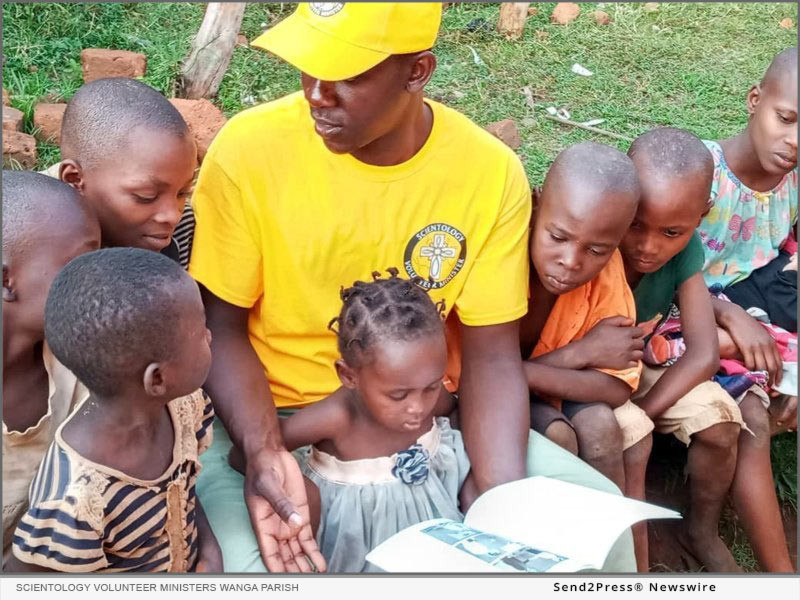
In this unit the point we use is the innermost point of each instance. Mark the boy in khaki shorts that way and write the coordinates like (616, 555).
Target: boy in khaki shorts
(663, 258)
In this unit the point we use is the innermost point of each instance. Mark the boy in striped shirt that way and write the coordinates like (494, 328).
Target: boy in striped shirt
(115, 491)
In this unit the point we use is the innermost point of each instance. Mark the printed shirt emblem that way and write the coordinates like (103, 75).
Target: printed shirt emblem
(435, 253)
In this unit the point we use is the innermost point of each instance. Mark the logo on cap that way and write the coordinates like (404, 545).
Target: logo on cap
(326, 9)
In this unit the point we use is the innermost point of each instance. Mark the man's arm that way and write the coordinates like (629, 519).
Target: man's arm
(236, 382)
(701, 359)
(494, 408)
(273, 487)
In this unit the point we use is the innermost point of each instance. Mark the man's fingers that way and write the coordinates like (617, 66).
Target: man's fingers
(270, 488)
(299, 556)
(309, 546)
(637, 355)
(288, 557)
(636, 332)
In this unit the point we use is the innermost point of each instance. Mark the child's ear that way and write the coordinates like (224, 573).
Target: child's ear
(347, 375)
(153, 380)
(9, 295)
(753, 97)
(71, 173)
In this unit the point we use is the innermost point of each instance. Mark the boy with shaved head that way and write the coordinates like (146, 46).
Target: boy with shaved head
(129, 153)
(663, 257)
(585, 360)
(45, 225)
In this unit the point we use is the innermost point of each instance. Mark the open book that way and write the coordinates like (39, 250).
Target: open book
(531, 525)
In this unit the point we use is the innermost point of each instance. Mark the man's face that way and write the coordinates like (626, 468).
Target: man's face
(351, 114)
(773, 124)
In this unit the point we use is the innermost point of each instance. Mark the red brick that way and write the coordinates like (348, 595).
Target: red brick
(98, 63)
(12, 119)
(19, 150)
(47, 121)
(204, 120)
(565, 12)
(506, 131)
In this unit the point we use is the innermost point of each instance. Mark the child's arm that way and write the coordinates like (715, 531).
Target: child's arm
(613, 343)
(209, 554)
(758, 349)
(324, 420)
(578, 385)
(701, 359)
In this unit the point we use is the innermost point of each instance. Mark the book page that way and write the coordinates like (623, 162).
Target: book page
(445, 546)
(562, 518)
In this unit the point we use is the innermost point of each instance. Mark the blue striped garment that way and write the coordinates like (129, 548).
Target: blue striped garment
(86, 517)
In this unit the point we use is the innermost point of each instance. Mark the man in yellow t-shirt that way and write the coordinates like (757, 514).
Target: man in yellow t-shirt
(358, 172)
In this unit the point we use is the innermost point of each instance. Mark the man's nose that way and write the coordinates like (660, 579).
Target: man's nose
(319, 93)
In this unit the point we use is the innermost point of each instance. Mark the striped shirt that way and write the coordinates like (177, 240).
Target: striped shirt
(180, 246)
(86, 517)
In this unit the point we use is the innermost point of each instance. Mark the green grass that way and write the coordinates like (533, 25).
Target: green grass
(688, 65)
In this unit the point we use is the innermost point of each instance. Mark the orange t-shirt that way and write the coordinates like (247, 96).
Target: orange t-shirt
(572, 317)
(576, 312)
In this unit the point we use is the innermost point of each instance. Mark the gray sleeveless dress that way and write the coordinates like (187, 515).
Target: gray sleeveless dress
(364, 502)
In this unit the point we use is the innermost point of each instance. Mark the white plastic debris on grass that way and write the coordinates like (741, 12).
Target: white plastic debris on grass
(561, 113)
(581, 70)
(476, 57)
(593, 122)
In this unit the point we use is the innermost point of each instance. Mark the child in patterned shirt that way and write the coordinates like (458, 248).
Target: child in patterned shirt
(115, 491)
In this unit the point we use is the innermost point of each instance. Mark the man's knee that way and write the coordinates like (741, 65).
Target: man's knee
(598, 431)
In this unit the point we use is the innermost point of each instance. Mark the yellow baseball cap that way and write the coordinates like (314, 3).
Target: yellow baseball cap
(332, 41)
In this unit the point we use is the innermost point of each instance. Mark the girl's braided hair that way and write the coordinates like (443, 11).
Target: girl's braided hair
(390, 308)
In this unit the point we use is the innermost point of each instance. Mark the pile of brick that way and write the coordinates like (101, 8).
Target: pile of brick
(19, 148)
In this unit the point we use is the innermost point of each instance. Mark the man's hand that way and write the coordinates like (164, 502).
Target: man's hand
(276, 500)
(613, 343)
(759, 351)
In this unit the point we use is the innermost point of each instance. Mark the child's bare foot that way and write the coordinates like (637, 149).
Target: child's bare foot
(709, 550)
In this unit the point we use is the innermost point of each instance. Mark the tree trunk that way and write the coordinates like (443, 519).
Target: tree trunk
(203, 69)
(512, 18)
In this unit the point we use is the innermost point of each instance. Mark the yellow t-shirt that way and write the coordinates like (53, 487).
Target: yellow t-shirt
(283, 223)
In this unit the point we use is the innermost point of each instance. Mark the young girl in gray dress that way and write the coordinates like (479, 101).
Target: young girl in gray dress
(379, 458)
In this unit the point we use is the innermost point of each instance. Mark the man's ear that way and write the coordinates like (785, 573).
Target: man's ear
(347, 375)
(153, 380)
(9, 295)
(753, 98)
(71, 173)
(421, 71)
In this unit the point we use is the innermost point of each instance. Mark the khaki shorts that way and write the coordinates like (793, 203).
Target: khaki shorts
(704, 406)
(634, 423)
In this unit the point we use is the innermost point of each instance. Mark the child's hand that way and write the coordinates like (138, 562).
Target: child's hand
(792, 264)
(210, 560)
(759, 351)
(612, 343)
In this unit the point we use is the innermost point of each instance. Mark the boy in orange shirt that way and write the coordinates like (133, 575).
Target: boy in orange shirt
(584, 354)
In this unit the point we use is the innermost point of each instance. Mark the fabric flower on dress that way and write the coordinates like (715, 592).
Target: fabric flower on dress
(412, 465)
